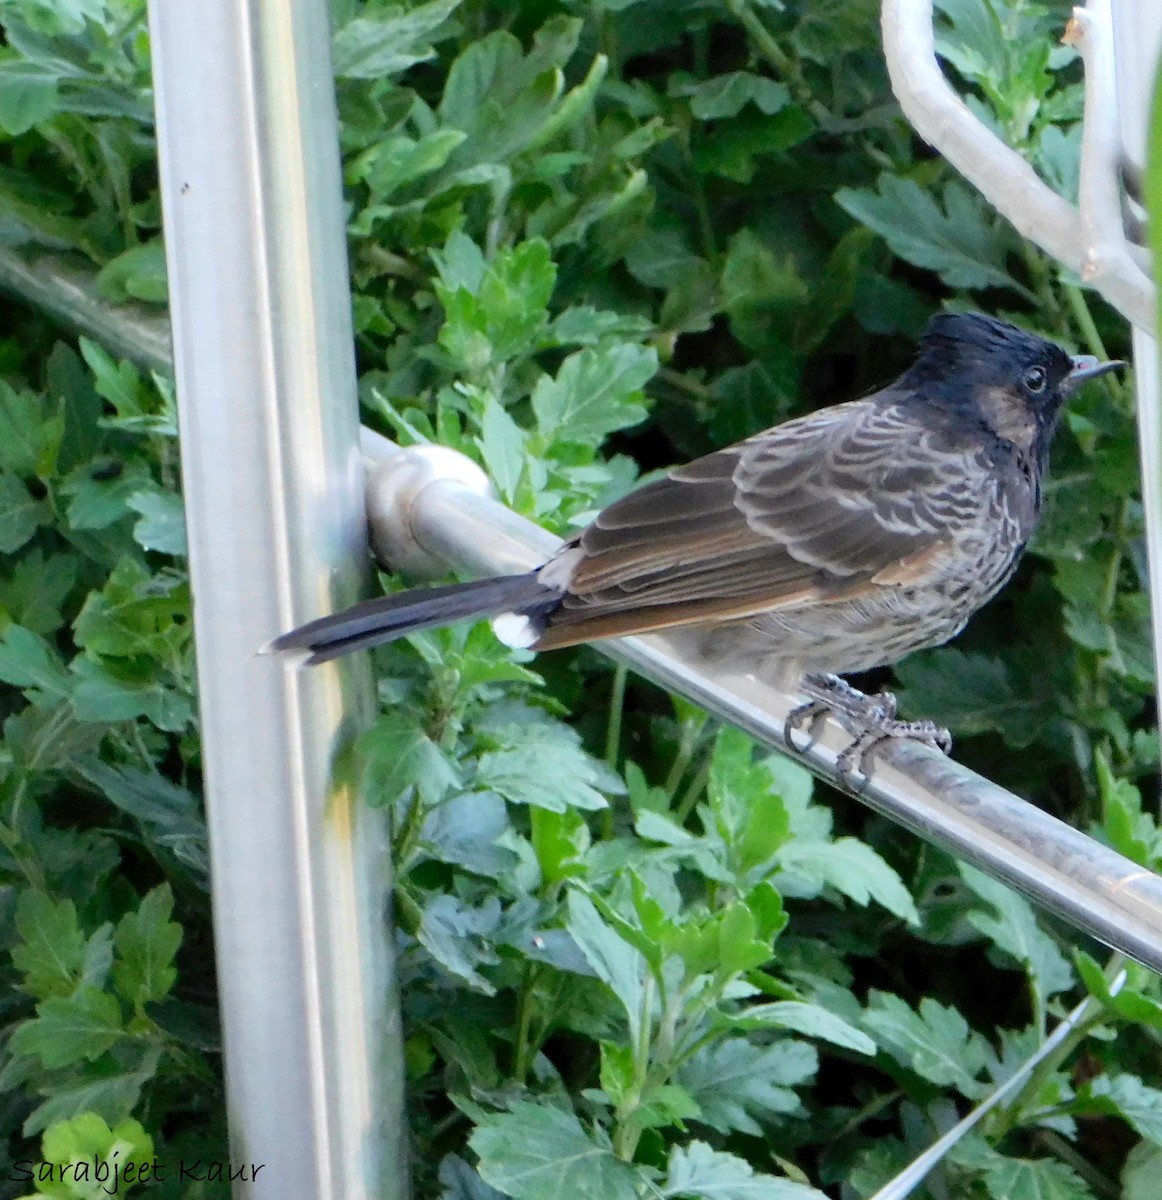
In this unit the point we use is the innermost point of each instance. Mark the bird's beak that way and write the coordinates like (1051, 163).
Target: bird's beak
(1086, 367)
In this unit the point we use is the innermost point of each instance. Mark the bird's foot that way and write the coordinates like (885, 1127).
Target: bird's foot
(871, 720)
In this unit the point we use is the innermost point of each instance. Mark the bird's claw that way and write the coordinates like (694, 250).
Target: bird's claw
(806, 715)
(871, 720)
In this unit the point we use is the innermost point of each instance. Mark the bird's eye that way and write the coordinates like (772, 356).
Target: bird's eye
(1035, 378)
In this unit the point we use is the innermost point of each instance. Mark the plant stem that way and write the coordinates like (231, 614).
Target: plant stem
(613, 738)
(616, 706)
(687, 744)
(692, 793)
(783, 64)
(522, 1061)
(1091, 337)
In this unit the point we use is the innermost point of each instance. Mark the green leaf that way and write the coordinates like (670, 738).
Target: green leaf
(493, 314)
(1141, 1171)
(810, 1019)
(507, 101)
(117, 382)
(170, 816)
(736, 1083)
(20, 514)
(90, 1156)
(740, 949)
(87, 1138)
(71, 1029)
(545, 766)
(935, 1042)
(135, 613)
(112, 1097)
(1012, 927)
(853, 869)
(738, 145)
(974, 693)
(163, 522)
(661, 258)
(596, 391)
(502, 446)
(97, 501)
(374, 47)
(560, 841)
(706, 853)
(762, 292)
(653, 934)
(146, 942)
(398, 161)
(400, 755)
(56, 17)
(750, 815)
(1126, 1096)
(29, 94)
(617, 964)
(51, 952)
(727, 95)
(136, 274)
(459, 936)
(1034, 1179)
(581, 325)
(141, 409)
(30, 435)
(464, 830)
(26, 661)
(109, 690)
(697, 1170)
(538, 1152)
(462, 1182)
(33, 590)
(956, 236)
(1132, 1001)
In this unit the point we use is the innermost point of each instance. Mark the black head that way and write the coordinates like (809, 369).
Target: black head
(994, 374)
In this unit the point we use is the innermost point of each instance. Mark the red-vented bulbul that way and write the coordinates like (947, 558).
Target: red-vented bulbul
(835, 542)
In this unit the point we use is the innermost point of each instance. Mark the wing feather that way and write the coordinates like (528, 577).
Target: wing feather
(826, 507)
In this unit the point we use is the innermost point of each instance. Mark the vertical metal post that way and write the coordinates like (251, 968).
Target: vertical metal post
(1137, 26)
(273, 480)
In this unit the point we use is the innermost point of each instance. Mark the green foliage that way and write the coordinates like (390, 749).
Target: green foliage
(636, 959)
(84, 1157)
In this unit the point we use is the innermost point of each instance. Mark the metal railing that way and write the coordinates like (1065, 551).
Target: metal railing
(449, 524)
(264, 363)
(256, 257)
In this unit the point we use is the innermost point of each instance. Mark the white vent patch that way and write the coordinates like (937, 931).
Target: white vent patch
(515, 630)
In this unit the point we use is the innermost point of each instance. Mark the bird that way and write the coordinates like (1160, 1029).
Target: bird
(831, 544)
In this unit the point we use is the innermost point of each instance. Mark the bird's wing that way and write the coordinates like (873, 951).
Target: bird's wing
(827, 507)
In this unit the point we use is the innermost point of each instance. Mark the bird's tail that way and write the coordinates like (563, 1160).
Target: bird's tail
(391, 617)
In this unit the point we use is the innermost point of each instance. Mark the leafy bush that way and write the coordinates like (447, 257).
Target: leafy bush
(587, 239)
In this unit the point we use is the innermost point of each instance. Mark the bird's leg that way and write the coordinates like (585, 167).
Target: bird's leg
(871, 720)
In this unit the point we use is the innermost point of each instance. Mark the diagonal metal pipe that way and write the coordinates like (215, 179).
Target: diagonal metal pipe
(425, 508)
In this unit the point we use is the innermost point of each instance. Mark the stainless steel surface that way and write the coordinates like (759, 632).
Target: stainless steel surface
(66, 289)
(1137, 28)
(1081, 880)
(273, 483)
